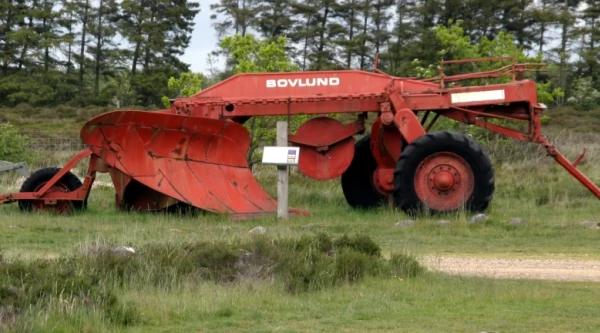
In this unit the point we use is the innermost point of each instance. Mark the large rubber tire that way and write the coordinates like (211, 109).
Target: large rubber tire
(357, 180)
(452, 144)
(37, 179)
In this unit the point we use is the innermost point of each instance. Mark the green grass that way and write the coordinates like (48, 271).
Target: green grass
(543, 194)
(432, 303)
(528, 185)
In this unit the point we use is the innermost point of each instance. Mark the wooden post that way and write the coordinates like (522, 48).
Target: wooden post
(282, 173)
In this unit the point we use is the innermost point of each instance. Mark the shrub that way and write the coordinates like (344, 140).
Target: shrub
(584, 97)
(92, 280)
(13, 145)
(405, 266)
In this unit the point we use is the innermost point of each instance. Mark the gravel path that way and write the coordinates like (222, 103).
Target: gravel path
(544, 269)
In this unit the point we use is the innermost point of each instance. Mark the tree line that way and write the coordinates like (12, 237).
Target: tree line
(72, 51)
(91, 51)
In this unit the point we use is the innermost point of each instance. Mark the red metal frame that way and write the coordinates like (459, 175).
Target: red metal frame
(396, 100)
(199, 138)
(51, 198)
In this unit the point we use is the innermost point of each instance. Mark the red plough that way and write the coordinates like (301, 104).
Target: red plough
(194, 153)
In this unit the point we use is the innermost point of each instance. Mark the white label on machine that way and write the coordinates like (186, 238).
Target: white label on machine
(478, 96)
(281, 155)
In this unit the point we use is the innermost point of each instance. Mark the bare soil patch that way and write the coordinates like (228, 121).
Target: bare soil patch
(542, 269)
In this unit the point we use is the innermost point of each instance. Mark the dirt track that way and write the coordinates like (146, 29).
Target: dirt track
(545, 269)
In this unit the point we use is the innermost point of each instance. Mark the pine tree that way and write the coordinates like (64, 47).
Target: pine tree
(378, 30)
(159, 31)
(238, 16)
(178, 22)
(567, 20)
(102, 30)
(517, 19)
(11, 21)
(83, 18)
(322, 55)
(590, 35)
(48, 29)
(544, 15)
(26, 36)
(274, 18)
(68, 21)
(304, 29)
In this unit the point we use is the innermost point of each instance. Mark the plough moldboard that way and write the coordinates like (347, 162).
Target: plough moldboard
(193, 154)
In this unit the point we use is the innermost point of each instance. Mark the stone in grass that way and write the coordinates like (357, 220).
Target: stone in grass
(312, 225)
(516, 221)
(14, 227)
(123, 251)
(258, 230)
(442, 222)
(404, 224)
(478, 218)
(589, 224)
(12, 291)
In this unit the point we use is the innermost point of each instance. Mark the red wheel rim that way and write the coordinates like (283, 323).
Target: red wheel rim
(444, 181)
(61, 206)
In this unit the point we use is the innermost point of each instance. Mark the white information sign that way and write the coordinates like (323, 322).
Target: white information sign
(283, 156)
(478, 96)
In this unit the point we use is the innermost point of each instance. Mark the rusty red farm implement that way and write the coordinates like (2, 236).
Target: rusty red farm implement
(194, 153)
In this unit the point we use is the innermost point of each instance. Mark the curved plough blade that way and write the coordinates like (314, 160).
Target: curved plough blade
(198, 161)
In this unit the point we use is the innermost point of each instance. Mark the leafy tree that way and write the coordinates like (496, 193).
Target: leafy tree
(456, 45)
(585, 97)
(186, 85)
(252, 55)
(13, 145)
(118, 90)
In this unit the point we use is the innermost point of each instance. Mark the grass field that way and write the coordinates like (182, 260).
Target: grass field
(528, 185)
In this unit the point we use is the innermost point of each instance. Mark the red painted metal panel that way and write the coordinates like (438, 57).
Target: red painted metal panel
(195, 160)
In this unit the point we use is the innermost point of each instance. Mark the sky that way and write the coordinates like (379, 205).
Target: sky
(204, 40)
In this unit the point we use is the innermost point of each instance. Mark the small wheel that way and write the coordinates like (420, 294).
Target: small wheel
(69, 182)
(443, 172)
(357, 180)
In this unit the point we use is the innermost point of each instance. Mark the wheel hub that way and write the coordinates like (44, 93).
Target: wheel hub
(444, 181)
(61, 206)
(443, 178)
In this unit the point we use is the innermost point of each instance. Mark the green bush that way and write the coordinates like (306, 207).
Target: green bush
(307, 264)
(13, 145)
(93, 280)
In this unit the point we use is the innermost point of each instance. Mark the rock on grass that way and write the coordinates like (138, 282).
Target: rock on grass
(123, 251)
(517, 221)
(589, 224)
(404, 224)
(479, 218)
(258, 230)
